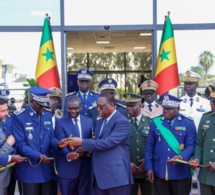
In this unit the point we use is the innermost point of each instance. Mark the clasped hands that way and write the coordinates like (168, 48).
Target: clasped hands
(195, 163)
(137, 169)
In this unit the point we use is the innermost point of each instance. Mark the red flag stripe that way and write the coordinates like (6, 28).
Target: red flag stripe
(171, 71)
(49, 78)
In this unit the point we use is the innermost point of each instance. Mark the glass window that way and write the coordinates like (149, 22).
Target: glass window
(82, 12)
(106, 61)
(139, 61)
(29, 13)
(76, 61)
(184, 11)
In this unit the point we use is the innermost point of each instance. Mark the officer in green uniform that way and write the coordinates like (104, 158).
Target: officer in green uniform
(205, 149)
(139, 129)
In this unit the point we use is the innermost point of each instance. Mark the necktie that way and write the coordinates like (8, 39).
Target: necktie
(85, 97)
(103, 125)
(76, 127)
(135, 122)
(150, 107)
(170, 124)
(191, 102)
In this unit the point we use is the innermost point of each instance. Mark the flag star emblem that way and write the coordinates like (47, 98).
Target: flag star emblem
(164, 55)
(48, 54)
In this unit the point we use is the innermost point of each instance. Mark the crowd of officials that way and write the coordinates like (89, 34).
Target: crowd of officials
(100, 145)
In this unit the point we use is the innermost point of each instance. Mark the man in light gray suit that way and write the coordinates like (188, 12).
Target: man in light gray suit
(6, 146)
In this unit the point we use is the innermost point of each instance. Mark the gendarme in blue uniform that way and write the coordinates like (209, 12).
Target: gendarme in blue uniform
(89, 98)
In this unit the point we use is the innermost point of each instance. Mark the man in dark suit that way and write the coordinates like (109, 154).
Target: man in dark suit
(107, 85)
(111, 170)
(88, 97)
(73, 164)
(139, 125)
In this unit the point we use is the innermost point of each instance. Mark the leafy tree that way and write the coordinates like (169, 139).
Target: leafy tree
(206, 60)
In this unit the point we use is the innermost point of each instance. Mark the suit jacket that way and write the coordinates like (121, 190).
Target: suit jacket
(157, 110)
(158, 151)
(90, 101)
(5, 149)
(119, 105)
(205, 147)
(200, 106)
(137, 149)
(110, 153)
(3, 160)
(64, 128)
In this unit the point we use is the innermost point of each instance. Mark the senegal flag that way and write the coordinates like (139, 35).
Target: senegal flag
(46, 72)
(166, 74)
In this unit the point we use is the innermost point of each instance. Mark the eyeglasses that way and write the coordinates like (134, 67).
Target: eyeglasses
(100, 107)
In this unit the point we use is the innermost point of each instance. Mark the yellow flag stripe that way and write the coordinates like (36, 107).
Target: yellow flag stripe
(42, 64)
(168, 45)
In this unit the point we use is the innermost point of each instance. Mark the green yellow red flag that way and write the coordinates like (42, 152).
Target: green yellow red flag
(166, 74)
(47, 74)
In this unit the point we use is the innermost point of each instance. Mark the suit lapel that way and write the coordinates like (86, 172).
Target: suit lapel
(132, 125)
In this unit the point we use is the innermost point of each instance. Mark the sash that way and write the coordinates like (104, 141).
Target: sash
(168, 136)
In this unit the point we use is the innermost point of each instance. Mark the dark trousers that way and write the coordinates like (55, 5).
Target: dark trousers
(77, 186)
(146, 187)
(206, 189)
(121, 190)
(37, 188)
(172, 187)
(12, 185)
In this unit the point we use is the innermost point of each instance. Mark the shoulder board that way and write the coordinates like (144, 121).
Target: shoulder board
(95, 92)
(71, 93)
(208, 112)
(92, 107)
(121, 105)
(189, 117)
(48, 110)
(161, 115)
(19, 111)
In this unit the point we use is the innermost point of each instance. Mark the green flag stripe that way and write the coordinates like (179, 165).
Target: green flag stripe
(168, 30)
(46, 36)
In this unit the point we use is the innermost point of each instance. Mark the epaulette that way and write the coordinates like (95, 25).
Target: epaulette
(17, 112)
(95, 92)
(187, 116)
(208, 112)
(71, 93)
(92, 107)
(121, 105)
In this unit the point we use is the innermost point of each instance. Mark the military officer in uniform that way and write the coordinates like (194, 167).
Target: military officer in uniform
(88, 97)
(193, 105)
(139, 130)
(33, 131)
(205, 149)
(55, 101)
(150, 107)
(107, 85)
(171, 137)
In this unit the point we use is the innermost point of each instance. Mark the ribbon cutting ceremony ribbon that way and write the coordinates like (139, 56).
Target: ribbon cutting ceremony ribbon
(2, 168)
(51, 158)
(186, 162)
